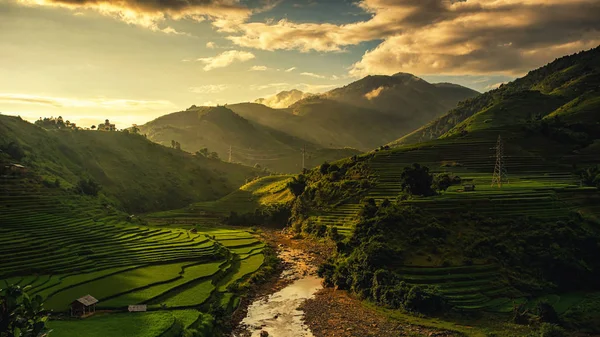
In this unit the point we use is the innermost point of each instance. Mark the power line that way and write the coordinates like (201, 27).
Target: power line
(500, 174)
(230, 153)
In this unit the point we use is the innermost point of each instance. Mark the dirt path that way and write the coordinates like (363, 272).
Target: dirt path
(328, 312)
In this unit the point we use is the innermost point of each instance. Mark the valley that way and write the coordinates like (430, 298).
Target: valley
(480, 217)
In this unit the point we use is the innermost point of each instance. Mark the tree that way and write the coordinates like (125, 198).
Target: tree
(324, 168)
(15, 150)
(177, 146)
(213, 155)
(441, 182)
(590, 176)
(88, 187)
(135, 129)
(172, 143)
(297, 185)
(93, 127)
(20, 314)
(417, 180)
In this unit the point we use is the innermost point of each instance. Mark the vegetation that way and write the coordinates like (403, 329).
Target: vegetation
(135, 174)
(21, 315)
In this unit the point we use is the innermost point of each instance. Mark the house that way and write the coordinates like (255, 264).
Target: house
(14, 169)
(469, 188)
(106, 126)
(137, 308)
(83, 306)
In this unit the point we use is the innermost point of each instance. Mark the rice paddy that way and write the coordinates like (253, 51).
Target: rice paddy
(63, 255)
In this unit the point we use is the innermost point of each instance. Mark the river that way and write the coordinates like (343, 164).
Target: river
(277, 314)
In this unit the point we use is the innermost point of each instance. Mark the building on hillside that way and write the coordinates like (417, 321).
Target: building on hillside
(106, 126)
(469, 188)
(83, 306)
(137, 308)
(14, 169)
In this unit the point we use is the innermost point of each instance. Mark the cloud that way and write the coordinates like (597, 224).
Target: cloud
(105, 103)
(290, 69)
(225, 58)
(258, 68)
(312, 75)
(209, 89)
(283, 99)
(374, 93)
(442, 37)
(211, 45)
(494, 86)
(152, 14)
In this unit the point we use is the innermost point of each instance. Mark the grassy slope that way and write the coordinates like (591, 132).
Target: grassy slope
(270, 190)
(135, 173)
(218, 128)
(572, 81)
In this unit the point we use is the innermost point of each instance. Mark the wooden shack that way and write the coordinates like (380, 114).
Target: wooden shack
(83, 306)
(14, 169)
(469, 188)
(137, 308)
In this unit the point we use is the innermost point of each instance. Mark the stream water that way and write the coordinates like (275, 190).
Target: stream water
(278, 314)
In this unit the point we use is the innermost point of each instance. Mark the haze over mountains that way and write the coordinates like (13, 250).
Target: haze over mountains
(272, 131)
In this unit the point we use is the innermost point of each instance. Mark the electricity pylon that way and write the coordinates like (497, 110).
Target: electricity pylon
(500, 175)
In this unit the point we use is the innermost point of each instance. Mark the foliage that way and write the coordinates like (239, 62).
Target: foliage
(590, 176)
(417, 180)
(552, 330)
(20, 314)
(14, 149)
(297, 185)
(442, 181)
(88, 187)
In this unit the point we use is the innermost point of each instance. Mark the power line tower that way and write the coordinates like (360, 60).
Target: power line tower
(500, 175)
(230, 153)
(303, 157)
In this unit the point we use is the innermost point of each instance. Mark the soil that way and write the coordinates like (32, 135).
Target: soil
(330, 312)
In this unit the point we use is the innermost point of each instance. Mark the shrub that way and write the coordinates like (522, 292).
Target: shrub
(552, 330)
(417, 180)
(88, 187)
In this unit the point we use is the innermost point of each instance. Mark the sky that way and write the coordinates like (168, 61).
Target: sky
(133, 60)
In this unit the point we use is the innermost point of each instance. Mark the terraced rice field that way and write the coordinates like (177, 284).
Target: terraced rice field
(63, 255)
(267, 190)
(536, 188)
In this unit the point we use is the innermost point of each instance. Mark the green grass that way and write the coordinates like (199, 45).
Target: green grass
(192, 296)
(116, 284)
(190, 274)
(246, 266)
(139, 324)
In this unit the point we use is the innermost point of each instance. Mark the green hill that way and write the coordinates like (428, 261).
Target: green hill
(220, 130)
(489, 249)
(135, 174)
(567, 87)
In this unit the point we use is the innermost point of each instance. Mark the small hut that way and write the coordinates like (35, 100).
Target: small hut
(83, 306)
(15, 169)
(469, 188)
(137, 308)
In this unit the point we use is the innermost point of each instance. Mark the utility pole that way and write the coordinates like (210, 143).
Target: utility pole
(230, 153)
(500, 175)
(303, 157)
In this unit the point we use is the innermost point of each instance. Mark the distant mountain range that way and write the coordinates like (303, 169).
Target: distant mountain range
(273, 131)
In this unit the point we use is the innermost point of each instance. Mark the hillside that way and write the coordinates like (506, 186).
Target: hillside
(220, 129)
(135, 174)
(283, 99)
(567, 87)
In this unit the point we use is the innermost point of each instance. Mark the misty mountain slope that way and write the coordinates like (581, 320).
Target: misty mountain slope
(572, 83)
(283, 99)
(220, 129)
(135, 173)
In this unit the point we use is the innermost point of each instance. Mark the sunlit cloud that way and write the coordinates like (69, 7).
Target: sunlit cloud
(211, 45)
(153, 14)
(105, 103)
(258, 68)
(225, 59)
(374, 93)
(443, 37)
(290, 69)
(312, 75)
(209, 89)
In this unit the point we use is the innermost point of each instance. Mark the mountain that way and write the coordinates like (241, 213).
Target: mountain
(135, 174)
(283, 99)
(362, 115)
(567, 88)
(223, 131)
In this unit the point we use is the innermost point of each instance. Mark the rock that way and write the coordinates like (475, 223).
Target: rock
(264, 334)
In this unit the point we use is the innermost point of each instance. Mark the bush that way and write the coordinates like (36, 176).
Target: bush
(88, 187)
(552, 330)
(417, 180)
